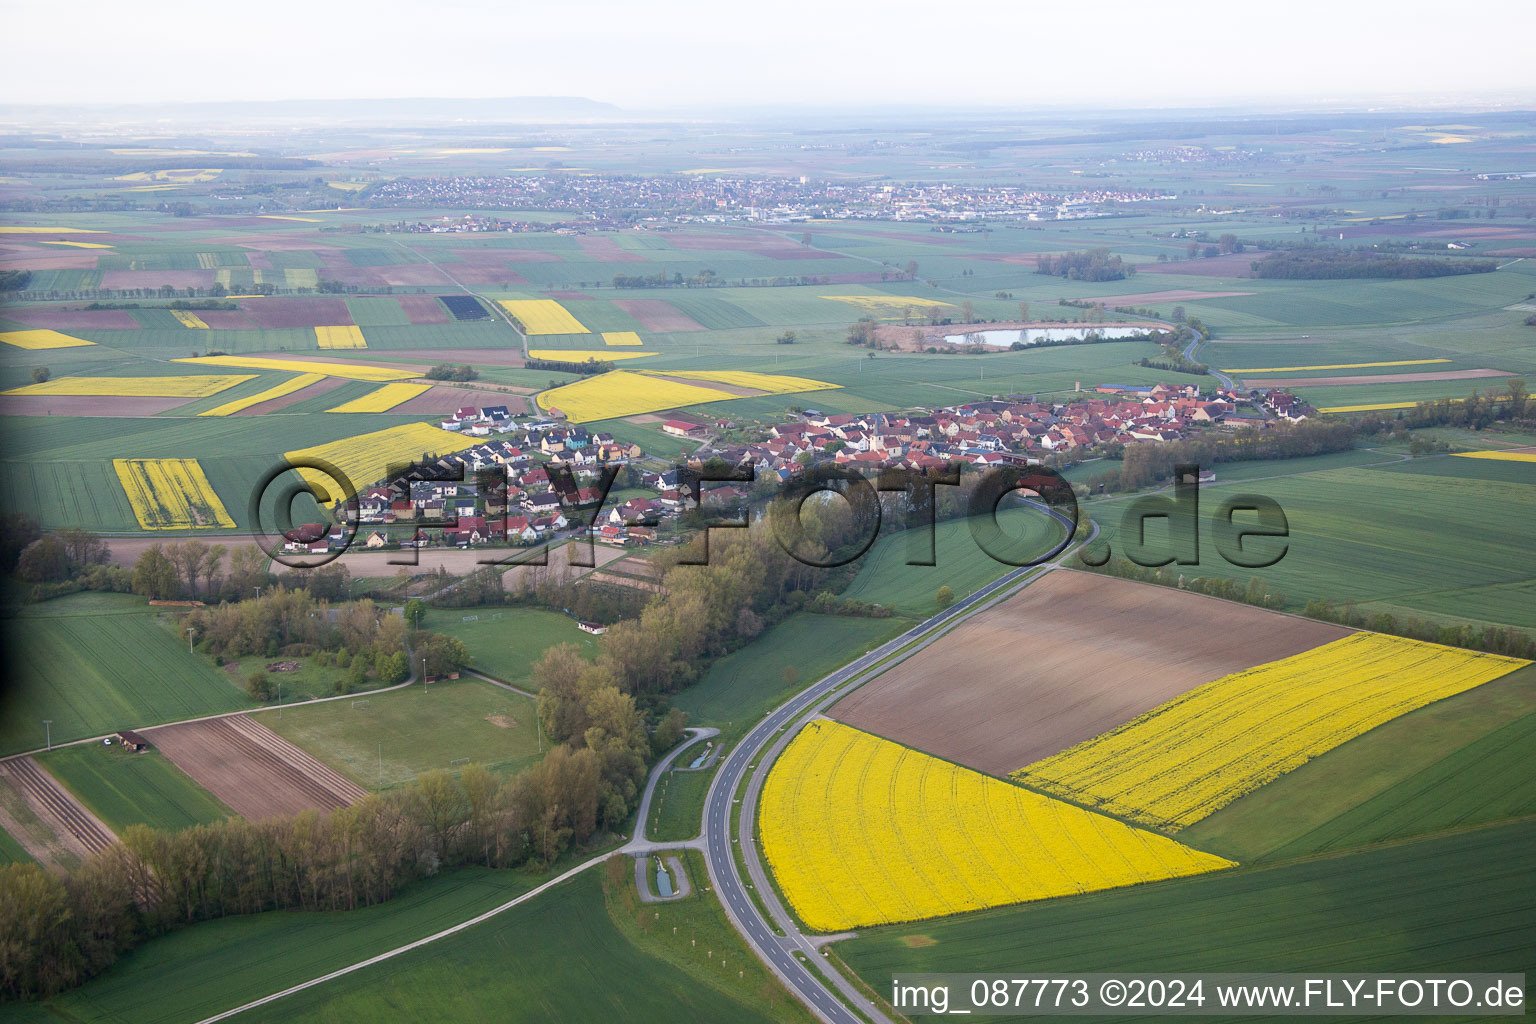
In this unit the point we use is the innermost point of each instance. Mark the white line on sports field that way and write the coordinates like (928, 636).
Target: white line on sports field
(530, 894)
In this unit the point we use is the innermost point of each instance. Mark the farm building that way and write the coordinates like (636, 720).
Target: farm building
(595, 628)
(133, 741)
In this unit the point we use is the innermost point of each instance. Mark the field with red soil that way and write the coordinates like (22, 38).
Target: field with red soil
(319, 387)
(252, 769)
(86, 405)
(73, 319)
(274, 243)
(1523, 252)
(658, 315)
(1071, 656)
(442, 400)
(1022, 259)
(417, 275)
(423, 309)
(226, 320)
(1379, 378)
(36, 259)
(527, 256)
(606, 250)
(157, 278)
(274, 313)
(1151, 298)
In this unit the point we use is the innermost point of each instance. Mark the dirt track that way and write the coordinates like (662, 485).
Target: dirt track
(79, 831)
(251, 768)
(1071, 656)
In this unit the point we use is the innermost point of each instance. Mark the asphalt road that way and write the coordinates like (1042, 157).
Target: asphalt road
(780, 952)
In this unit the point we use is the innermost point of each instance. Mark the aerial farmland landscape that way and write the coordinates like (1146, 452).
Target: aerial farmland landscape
(662, 524)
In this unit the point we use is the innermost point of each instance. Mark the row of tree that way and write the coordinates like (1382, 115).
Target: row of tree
(1092, 265)
(56, 932)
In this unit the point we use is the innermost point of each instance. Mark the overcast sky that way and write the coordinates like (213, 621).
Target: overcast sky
(705, 53)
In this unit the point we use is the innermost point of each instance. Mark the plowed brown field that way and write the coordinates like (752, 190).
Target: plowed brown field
(1071, 656)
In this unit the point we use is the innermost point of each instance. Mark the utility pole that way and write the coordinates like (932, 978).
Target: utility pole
(48, 727)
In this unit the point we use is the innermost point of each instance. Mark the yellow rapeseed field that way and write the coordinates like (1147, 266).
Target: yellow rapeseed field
(1194, 755)
(1529, 456)
(622, 393)
(41, 339)
(383, 399)
(1331, 366)
(287, 387)
(772, 383)
(189, 319)
(891, 307)
(171, 494)
(80, 245)
(367, 458)
(340, 337)
(581, 355)
(348, 371)
(543, 316)
(861, 831)
(621, 338)
(135, 387)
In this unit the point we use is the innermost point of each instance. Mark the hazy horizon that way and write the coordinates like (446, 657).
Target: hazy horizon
(688, 57)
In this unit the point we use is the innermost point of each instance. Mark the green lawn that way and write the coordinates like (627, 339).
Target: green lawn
(414, 730)
(216, 965)
(693, 935)
(124, 788)
(1437, 541)
(1460, 902)
(1458, 762)
(742, 686)
(12, 852)
(557, 958)
(677, 808)
(885, 577)
(96, 663)
(506, 641)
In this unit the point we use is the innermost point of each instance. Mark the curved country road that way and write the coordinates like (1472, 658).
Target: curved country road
(789, 955)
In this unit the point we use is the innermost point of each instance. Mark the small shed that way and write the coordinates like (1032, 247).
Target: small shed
(133, 741)
(595, 628)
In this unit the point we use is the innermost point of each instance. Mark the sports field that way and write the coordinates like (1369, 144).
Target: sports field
(400, 734)
(505, 642)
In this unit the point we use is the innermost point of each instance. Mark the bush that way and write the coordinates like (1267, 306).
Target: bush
(259, 686)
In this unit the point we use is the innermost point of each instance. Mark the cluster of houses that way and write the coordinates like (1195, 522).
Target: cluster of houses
(1018, 429)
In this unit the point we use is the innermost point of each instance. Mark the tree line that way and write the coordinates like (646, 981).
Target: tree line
(1326, 265)
(1091, 265)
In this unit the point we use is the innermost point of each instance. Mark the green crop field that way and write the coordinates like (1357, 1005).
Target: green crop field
(744, 684)
(1440, 546)
(213, 966)
(1458, 902)
(12, 852)
(96, 663)
(1456, 763)
(505, 642)
(124, 788)
(885, 578)
(414, 729)
(534, 963)
(693, 935)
